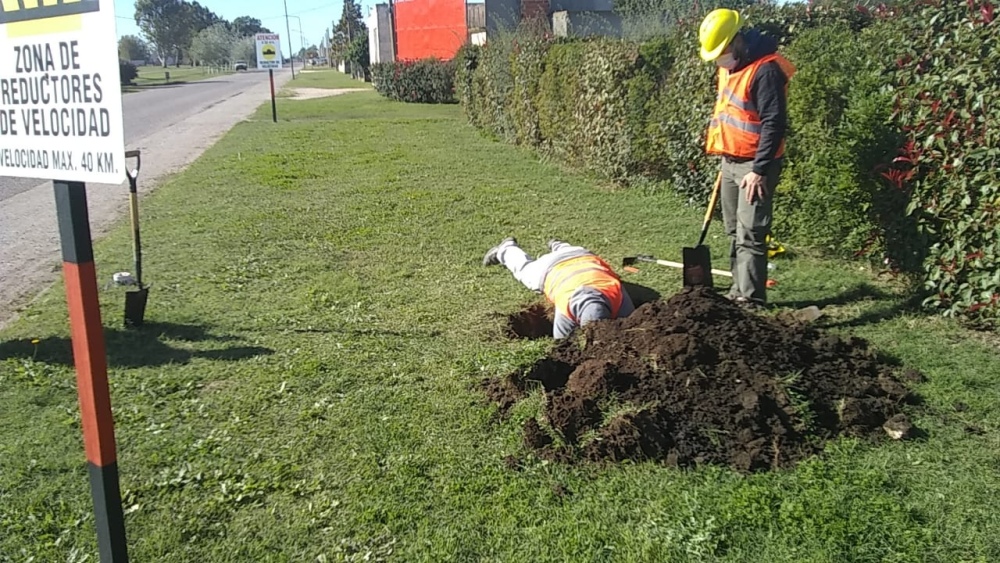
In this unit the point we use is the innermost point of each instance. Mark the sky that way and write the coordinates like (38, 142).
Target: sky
(316, 16)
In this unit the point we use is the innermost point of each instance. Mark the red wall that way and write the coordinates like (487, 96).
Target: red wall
(429, 28)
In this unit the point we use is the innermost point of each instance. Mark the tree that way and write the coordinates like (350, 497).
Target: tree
(244, 49)
(246, 26)
(350, 26)
(131, 48)
(213, 45)
(359, 57)
(310, 52)
(165, 25)
(197, 18)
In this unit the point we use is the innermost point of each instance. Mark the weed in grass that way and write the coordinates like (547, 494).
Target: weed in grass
(790, 385)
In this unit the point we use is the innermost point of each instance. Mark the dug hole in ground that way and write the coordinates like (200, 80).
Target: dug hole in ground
(696, 380)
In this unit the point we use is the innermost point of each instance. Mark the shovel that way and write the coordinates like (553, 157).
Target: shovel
(135, 301)
(698, 261)
(629, 261)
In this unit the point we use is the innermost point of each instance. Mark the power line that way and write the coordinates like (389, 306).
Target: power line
(281, 16)
(316, 9)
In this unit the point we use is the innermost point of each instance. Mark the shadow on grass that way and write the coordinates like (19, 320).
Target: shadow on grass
(369, 333)
(137, 348)
(899, 308)
(895, 305)
(861, 292)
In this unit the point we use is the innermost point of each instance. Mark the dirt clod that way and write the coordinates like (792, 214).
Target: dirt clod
(913, 376)
(512, 463)
(696, 380)
(898, 427)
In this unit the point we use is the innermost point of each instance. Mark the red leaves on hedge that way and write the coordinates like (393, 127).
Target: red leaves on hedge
(897, 177)
(986, 10)
(984, 304)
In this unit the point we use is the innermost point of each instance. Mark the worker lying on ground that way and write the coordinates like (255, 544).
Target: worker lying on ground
(582, 287)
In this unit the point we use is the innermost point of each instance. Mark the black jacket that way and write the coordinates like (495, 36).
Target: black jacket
(767, 91)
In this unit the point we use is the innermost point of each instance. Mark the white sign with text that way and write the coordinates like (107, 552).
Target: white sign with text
(268, 50)
(60, 91)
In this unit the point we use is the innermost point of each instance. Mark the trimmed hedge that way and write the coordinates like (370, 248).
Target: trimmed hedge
(946, 80)
(892, 147)
(427, 81)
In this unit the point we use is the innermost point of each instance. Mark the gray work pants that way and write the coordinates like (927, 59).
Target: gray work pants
(747, 226)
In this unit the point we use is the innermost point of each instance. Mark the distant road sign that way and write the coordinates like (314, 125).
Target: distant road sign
(268, 50)
(60, 91)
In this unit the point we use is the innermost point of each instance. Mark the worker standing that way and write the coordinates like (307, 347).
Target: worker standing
(748, 131)
(582, 287)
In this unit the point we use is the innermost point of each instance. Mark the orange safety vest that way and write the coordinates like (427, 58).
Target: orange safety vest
(589, 270)
(735, 128)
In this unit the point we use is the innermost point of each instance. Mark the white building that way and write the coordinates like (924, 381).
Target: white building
(379, 22)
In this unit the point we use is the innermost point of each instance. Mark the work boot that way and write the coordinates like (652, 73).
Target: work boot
(491, 257)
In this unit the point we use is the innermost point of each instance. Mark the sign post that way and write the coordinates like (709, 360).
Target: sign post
(61, 120)
(269, 57)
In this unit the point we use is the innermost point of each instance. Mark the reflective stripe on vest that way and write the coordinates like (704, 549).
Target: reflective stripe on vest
(735, 127)
(565, 278)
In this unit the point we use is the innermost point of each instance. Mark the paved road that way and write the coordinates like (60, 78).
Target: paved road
(150, 111)
(171, 125)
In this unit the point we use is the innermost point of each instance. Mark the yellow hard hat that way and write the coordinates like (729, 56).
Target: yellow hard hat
(717, 30)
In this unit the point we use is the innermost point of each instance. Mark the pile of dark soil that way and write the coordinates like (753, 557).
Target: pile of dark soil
(696, 380)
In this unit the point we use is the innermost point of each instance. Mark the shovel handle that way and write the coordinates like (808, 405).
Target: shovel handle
(680, 266)
(136, 243)
(133, 175)
(712, 200)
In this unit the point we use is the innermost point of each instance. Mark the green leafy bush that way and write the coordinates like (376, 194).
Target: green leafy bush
(839, 117)
(428, 81)
(946, 83)
(559, 90)
(127, 71)
(492, 84)
(527, 63)
(677, 114)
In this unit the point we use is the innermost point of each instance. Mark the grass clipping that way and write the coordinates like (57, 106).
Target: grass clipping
(696, 380)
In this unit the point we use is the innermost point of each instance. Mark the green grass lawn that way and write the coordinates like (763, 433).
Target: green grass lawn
(151, 76)
(319, 319)
(322, 77)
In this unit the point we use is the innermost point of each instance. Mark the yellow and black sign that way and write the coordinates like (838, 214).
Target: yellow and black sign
(269, 51)
(29, 10)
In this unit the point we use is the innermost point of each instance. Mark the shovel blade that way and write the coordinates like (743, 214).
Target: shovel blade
(135, 307)
(697, 267)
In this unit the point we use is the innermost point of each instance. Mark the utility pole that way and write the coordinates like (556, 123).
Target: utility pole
(302, 41)
(288, 28)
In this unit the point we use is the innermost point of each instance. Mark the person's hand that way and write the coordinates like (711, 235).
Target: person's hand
(755, 186)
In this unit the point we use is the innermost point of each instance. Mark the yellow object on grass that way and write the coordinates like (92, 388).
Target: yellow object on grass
(774, 247)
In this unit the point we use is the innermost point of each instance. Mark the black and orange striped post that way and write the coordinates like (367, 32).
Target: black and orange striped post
(90, 357)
